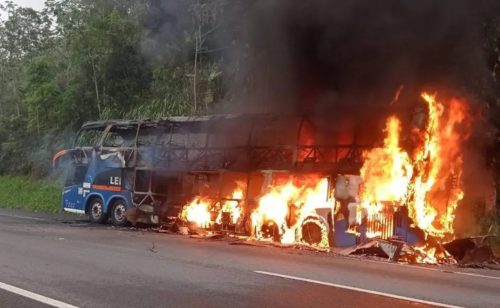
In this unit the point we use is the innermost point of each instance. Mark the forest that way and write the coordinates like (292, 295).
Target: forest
(81, 60)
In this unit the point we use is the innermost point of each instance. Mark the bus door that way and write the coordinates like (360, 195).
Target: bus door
(74, 188)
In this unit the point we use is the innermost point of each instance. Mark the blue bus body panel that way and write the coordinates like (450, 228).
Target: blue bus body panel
(109, 196)
(76, 197)
(72, 199)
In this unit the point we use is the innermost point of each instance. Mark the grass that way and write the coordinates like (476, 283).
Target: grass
(17, 192)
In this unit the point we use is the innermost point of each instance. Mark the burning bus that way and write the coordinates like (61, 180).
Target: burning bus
(274, 177)
(209, 170)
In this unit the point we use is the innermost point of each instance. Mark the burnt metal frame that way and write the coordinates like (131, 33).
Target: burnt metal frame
(198, 159)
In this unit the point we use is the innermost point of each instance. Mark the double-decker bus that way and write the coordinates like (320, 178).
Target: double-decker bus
(145, 171)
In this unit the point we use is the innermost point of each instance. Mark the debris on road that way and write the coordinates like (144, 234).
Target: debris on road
(389, 249)
(472, 251)
(153, 248)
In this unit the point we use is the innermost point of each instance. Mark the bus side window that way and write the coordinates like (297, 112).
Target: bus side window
(178, 137)
(113, 140)
(165, 184)
(147, 136)
(164, 137)
(121, 136)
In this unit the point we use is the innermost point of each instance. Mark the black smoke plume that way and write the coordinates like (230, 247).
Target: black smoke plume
(349, 62)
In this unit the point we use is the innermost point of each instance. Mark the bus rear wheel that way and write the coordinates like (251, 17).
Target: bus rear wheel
(118, 214)
(96, 211)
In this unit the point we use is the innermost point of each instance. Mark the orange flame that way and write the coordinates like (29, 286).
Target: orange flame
(428, 255)
(426, 180)
(198, 211)
(387, 171)
(430, 182)
(282, 200)
(232, 206)
(438, 164)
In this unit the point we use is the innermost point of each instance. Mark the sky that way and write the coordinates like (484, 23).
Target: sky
(36, 4)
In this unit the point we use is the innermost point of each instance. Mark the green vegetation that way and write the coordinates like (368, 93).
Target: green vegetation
(83, 60)
(36, 195)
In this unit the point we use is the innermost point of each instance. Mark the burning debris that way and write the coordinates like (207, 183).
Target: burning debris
(198, 211)
(289, 210)
(427, 180)
(205, 212)
(472, 250)
(401, 206)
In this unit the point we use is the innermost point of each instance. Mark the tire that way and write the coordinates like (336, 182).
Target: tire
(96, 211)
(118, 213)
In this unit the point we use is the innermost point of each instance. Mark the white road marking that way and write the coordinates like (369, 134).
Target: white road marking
(364, 260)
(358, 289)
(35, 297)
(459, 273)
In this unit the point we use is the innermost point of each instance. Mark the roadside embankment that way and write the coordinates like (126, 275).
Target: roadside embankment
(39, 195)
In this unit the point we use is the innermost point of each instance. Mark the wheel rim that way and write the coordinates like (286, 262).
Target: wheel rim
(96, 210)
(119, 212)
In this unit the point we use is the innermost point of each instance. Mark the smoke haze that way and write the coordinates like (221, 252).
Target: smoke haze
(344, 61)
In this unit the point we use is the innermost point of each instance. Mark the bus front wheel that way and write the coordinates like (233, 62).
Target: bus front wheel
(118, 214)
(96, 211)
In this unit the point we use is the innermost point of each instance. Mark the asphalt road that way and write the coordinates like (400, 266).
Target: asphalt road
(59, 261)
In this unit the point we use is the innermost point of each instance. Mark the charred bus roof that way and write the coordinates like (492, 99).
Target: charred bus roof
(241, 142)
(177, 119)
(259, 129)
